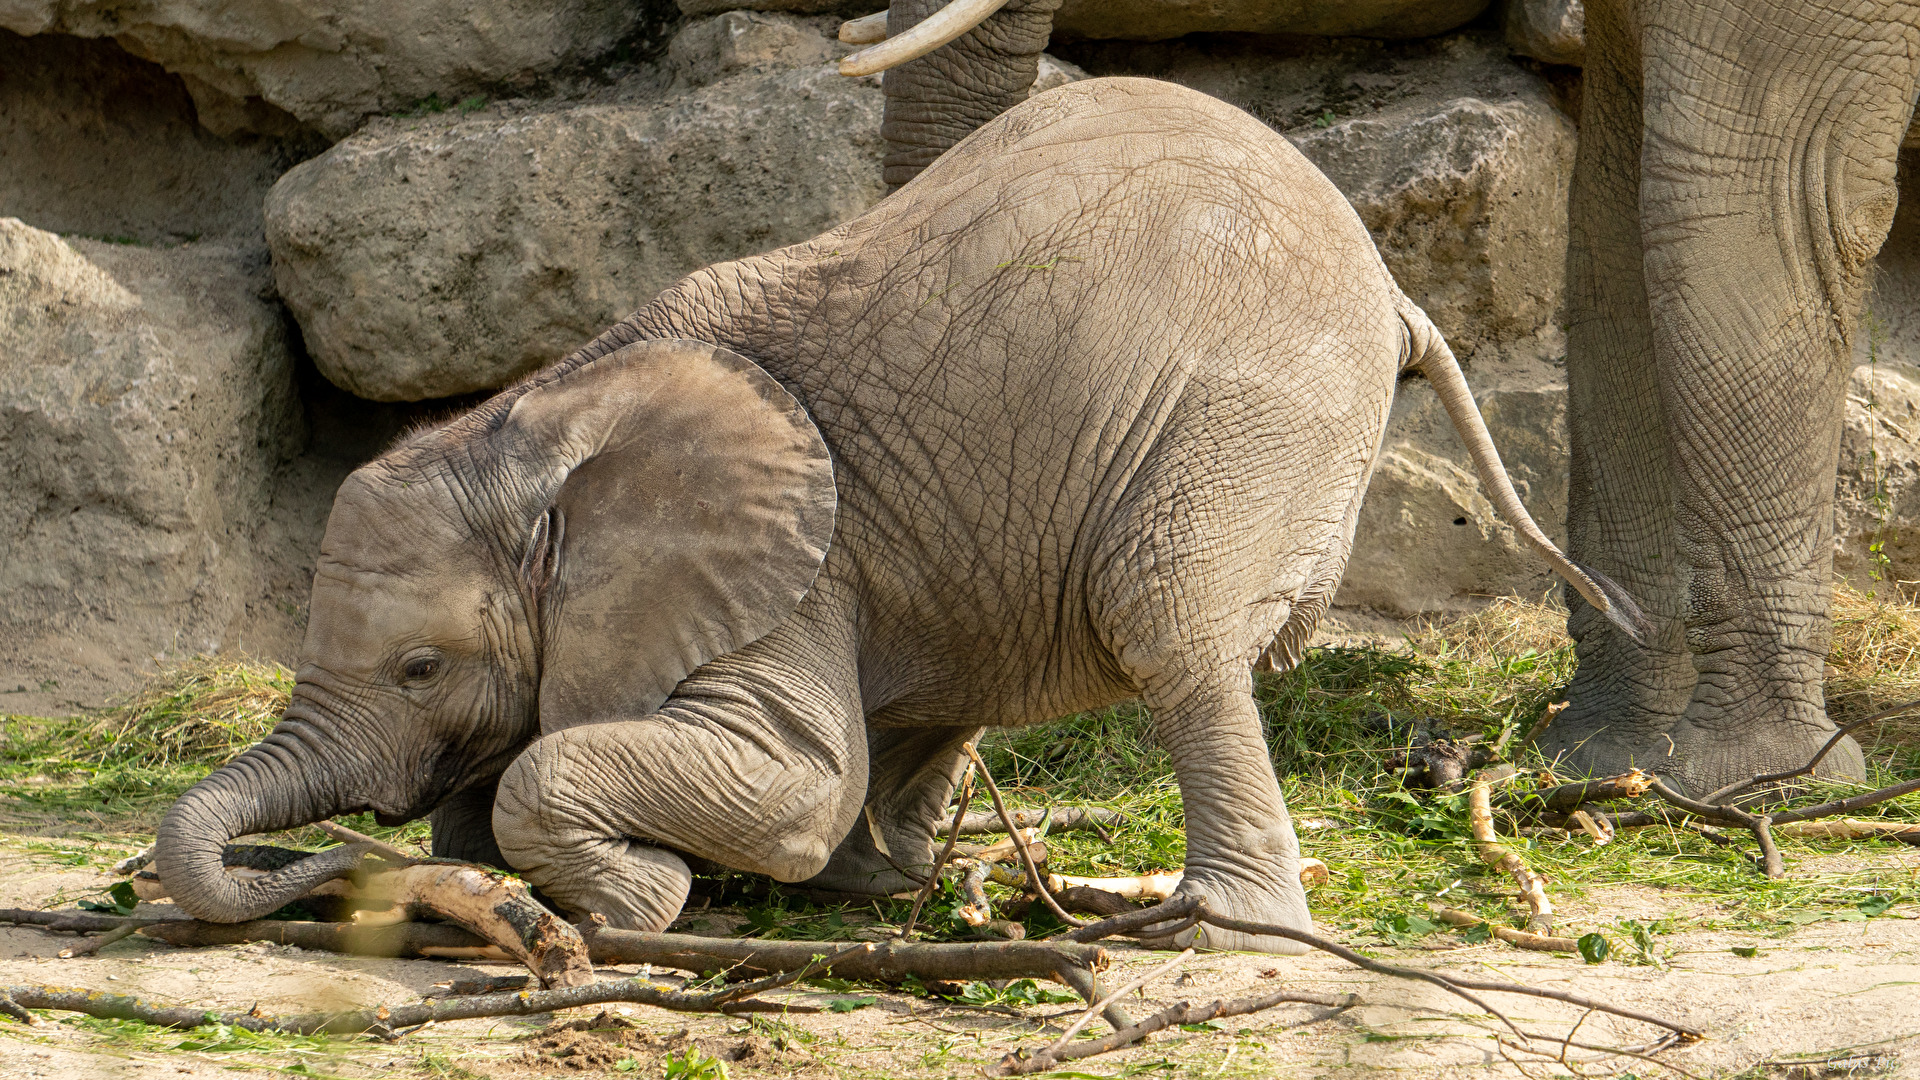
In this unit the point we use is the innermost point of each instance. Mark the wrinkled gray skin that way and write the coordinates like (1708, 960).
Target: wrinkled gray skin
(1084, 413)
(1735, 178)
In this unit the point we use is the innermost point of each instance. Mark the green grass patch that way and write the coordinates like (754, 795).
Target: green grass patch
(1330, 723)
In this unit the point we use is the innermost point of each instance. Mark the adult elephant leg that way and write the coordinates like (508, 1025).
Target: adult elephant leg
(1771, 138)
(911, 773)
(1624, 696)
(758, 762)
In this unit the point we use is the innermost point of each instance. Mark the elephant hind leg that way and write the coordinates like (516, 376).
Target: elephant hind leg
(1242, 854)
(911, 773)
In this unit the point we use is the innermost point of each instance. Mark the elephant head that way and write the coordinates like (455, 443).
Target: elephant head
(565, 553)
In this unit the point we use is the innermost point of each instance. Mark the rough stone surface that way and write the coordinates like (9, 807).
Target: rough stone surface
(449, 255)
(1467, 200)
(269, 65)
(97, 142)
(738, 41)
(146, 403)
(1551, 31)
(1877, 502)
(1160, 20)
(1153, 20)
(1428, 540)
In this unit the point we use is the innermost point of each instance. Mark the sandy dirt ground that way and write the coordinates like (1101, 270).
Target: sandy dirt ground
(1838, 997)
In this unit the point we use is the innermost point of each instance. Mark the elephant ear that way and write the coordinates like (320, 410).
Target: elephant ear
(687, 502)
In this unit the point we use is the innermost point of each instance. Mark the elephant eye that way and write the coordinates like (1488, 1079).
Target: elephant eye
(421, 668)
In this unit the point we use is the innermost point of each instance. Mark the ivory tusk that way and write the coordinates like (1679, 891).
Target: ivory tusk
(958, 17)
(866, 30)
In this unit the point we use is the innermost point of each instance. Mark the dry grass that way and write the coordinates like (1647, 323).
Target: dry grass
(202, 711)
(1874, 662)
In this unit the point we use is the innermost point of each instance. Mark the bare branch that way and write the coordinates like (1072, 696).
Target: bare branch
(522, 1003)
(1019, 842)
(946, 852)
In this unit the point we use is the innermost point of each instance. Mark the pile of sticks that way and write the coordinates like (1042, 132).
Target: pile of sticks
(1738, 805)
(561, 957)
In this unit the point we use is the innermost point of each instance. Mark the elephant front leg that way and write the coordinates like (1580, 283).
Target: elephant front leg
(1625, 695)
(1242, 854)
(463, 827)
(911, 773)
(757, 763)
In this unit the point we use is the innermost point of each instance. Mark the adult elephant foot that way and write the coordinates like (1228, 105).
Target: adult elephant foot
(1711, 753)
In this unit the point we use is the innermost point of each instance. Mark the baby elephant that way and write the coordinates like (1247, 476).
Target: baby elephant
(1081, 414)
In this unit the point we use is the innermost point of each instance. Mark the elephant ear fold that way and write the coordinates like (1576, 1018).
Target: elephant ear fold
(687, 502)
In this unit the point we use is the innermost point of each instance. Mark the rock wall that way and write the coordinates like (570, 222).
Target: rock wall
(146, 404)
(446, 255)
(253, 241)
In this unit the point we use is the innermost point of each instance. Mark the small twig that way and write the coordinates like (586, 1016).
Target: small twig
(1019, 842)
(134, 863)
(1569, 797)
(73, 922)
(89, 946)
(1131, 985)
(953, 837)
(1451, 983)
(349, 836)
(1847, 806)
(1770, 861)
(12, 1008)
(1181, 1013)
(1177, 908)
(1519, 938)
(1502, 858)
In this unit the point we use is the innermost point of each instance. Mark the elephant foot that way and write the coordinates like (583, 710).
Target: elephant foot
(857, 868)
(1280, 900)
(1709, 757)
(636, 886)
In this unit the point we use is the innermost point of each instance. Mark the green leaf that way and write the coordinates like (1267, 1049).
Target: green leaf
(1477, 933)
(1206, 1025)
(847, 1005)
(1877, 905)
(1594, 947)
(122, 900)
(1748, 951)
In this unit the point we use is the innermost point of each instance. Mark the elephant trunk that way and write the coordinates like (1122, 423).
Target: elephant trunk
(940, 98)
(278, 784)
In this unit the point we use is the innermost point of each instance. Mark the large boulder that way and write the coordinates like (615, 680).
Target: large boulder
(1151, 20)
(267, 65)
(1428, 540)
(452, 254)
(1551, 31)
(1158, 20)
(100, 143)
(146, 402)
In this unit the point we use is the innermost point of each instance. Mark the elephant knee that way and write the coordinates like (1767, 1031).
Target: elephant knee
(585, 865)
(799, 855)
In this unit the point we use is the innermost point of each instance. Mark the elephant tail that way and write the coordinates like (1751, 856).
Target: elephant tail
(1427, 351)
